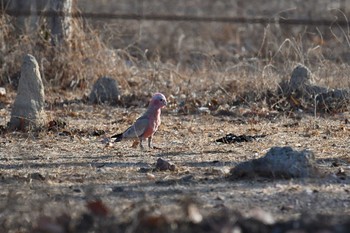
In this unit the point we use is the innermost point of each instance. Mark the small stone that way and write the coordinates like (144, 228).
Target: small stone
(150, 176)
(187, 178)
(172, 167)
(163, 165)
(193, 213)
(77, 190)
(36, 176)
(145, 169)
(118, 189)
(204, 110)
(28, 108)
(261, 215)
(2, 91)
(105, 90)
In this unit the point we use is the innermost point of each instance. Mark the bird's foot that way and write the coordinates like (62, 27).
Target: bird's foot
(155, 148)
(135, 144)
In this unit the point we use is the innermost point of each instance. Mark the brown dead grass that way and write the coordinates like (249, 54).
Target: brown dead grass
(228, 69)
(200, 62)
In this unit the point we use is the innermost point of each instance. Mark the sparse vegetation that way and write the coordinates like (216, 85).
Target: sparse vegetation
(219, 78)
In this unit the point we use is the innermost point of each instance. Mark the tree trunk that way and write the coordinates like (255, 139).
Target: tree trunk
(27, 19)
(22, 22)
(60, 23)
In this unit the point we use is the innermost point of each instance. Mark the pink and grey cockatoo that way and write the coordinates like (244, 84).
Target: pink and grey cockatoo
(145, 126)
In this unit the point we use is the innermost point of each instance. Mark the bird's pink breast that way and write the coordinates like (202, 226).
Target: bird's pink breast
(148, 133)
(154, 122)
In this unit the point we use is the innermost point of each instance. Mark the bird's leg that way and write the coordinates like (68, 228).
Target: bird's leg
(141, 146)
(150, 142)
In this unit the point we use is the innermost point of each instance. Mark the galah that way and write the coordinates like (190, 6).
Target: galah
(145, 126)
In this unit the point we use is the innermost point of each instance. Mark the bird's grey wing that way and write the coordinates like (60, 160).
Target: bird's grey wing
(137, 129)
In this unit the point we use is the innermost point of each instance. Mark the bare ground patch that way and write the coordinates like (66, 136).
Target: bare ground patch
(55, 173)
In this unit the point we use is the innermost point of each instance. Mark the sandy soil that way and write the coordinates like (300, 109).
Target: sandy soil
(57, 172)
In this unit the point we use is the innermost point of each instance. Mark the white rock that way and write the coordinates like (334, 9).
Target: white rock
(28, 108)
(2, 91)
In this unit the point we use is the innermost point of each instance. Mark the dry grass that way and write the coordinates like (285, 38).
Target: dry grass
(183, 58)
(218, 79)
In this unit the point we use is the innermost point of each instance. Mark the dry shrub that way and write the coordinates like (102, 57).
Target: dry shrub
(201, 63)
(73, 65)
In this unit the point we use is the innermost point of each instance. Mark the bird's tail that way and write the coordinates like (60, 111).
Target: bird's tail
(118, 137)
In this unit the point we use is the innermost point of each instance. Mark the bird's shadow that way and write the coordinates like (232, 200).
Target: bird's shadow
(188, 152)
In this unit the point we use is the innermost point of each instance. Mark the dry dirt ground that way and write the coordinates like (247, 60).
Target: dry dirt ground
(70, 180)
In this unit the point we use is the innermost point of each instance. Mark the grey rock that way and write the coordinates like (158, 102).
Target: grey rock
(324, 99)
(105, 90)
(28, 108)
(163, 165)
(300, 84)
(300, 78)
(279, 162)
